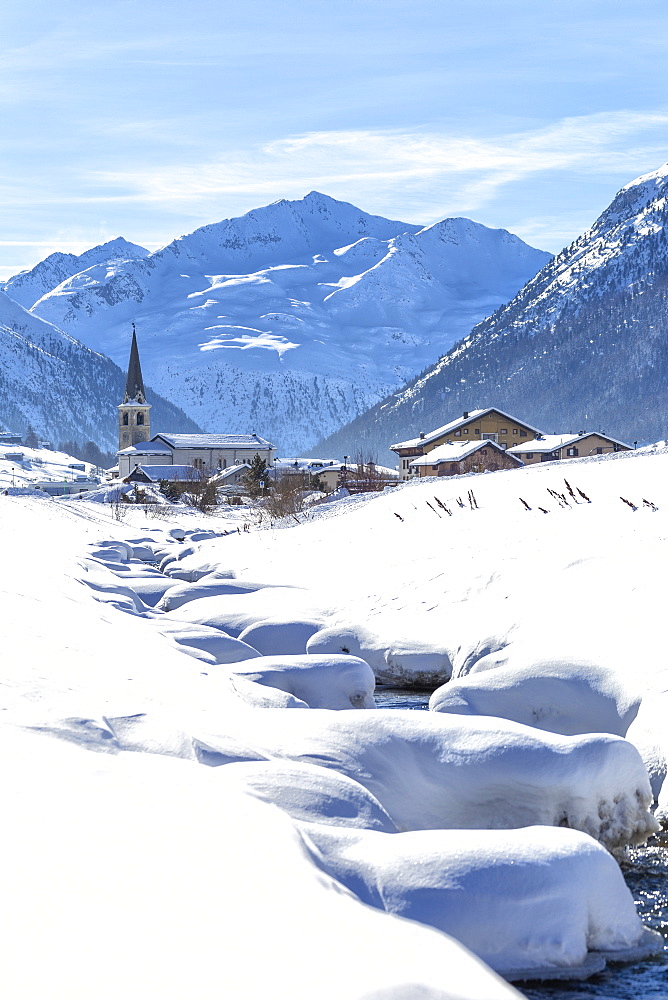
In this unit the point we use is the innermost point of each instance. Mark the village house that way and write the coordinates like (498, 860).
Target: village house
(456, 458)
(552, 447)
(490, 424)
(208, 453)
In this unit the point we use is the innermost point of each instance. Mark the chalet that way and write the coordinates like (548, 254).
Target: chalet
(455, 458)
(553, 447)
(490, 424)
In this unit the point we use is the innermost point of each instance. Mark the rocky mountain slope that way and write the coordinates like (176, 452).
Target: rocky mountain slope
(583, 345)
(28, 286)
(293, 318)
(65, 390)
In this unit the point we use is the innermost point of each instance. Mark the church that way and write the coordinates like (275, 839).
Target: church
(209, 453)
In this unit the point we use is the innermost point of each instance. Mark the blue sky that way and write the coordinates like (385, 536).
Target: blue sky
(146, 119)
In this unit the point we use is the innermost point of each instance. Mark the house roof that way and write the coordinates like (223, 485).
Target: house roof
(456, 451)
(146, 448)
(454, 425)
(552, 442)
(194, 441)
(172, 473)
(230, 472)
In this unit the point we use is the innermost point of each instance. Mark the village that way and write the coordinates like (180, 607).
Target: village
(479, 441)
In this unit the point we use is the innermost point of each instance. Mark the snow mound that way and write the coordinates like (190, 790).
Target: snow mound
(183, 593)
(234, 612)
(280, 636)
(438, 771)
(528, 902)
(553, 695)
(334, 681)
(312, 794)
(400, 663)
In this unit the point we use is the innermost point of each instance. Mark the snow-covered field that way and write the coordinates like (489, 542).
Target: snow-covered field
(328, 851)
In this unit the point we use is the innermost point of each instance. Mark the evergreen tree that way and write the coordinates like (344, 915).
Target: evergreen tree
(255, 481)
(31, 440)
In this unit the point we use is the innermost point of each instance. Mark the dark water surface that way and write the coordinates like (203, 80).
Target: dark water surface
(646, 874)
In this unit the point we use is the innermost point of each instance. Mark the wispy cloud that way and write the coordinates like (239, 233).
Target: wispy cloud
(468, 171)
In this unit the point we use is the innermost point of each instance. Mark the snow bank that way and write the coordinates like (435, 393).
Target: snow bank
(153, 881)
(529, 902)
(179, 594)
(312, 794)
(410, 662)
(335, 681)
(221, 648)
(557, 696)
(432, 770)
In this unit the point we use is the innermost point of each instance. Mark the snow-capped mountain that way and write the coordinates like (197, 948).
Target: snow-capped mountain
(65, 390)
(582, 345)
(296, 317)
(28, 286)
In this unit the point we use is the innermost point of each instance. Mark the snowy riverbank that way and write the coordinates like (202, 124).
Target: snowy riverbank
(119, 684)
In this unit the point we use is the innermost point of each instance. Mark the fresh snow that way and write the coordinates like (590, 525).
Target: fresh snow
(313, 834)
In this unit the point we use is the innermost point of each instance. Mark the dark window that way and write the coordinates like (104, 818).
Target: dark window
(477, 430)
(140, 418)
(599, 451)
(572, 452)
(523, 434)
(528, 454)
(126, 420)
(503, 430)
(434, 467)
(514, 430)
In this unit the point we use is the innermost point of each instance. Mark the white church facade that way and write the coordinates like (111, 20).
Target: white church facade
(209, 453)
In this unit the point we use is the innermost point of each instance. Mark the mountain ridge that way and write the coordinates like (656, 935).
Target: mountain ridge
(295, 317)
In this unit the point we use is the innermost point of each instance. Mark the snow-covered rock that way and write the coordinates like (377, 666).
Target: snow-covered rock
(334, 681)
(532, 903)
(560, 697)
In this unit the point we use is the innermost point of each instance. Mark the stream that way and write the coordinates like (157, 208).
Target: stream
(646, 874)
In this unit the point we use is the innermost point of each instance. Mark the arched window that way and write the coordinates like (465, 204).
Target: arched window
(126, 420)
(140, 418)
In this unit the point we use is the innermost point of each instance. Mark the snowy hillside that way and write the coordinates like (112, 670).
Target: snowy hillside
(226, 820)
(28, 286)
(296, 317)
(65, 390)
(583, 344)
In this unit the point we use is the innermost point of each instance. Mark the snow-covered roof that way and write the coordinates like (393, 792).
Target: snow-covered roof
(455, 451)
(552, 442)
(229, 473)
(459, 422)
(213, 440)
(146, 448)
(171, 473)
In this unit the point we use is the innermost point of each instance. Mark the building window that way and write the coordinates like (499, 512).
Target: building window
(503, 430)
(484, 451)
(599, 451)
(523, 434)
(572, 452)
(126, 420)
(477, 430)
(458, 433)
(435, 468)
(528, 454)
(140, 418)
(514, 430)
(466, 430)
(198, 463)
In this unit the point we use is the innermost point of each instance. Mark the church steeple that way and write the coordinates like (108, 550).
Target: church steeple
(134, 419)
(134, 385)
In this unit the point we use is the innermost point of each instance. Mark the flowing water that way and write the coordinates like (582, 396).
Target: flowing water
(646, 874)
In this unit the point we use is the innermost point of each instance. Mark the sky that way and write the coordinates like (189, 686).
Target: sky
(147, 119)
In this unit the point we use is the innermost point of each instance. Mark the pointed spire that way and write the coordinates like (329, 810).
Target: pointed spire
(134, 386)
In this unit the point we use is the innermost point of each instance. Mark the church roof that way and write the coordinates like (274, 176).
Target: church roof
(213, 441)
(134, 386)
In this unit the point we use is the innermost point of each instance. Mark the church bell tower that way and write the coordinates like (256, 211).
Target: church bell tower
(134, 419)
